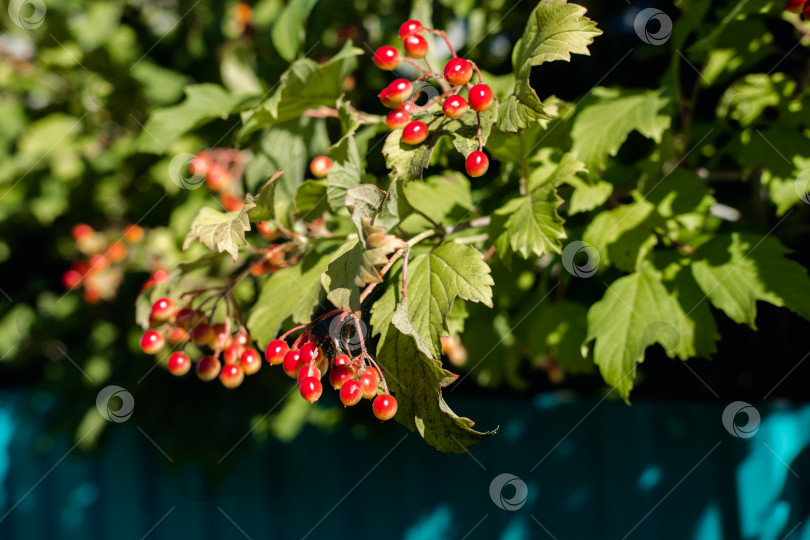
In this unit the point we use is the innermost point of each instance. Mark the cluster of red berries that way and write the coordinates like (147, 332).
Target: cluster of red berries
(222, 168)
(179, 326)
(400, 95)
(352, 377)
(796, 6)
(102, 269)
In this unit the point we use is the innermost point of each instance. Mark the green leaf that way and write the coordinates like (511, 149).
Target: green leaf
(221, 231)
(602, 126)
(305, 85)
(736, 270)
(635, 312)
(310, 200)
(288, 32)
(547, 167)
(364, 202)
(291, 292)
(416, 380)
(555, 31)
(345, 173)
(529, 225)
(203, 103)
(557, 332)
(264, 208)
(238, 69)
(437, 197)
(586, 197)
(701, 335)
(625, 235)
(435, 280)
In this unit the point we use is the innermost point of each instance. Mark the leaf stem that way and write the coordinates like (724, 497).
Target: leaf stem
(445, 38)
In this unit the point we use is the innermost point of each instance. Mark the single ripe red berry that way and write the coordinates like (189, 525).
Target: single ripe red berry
(480, 97)
(477, 164)
(98, 262)
(319, 166)
(222, 339)
(311, 353)
(186, 317)
(176, 334)
(458, 71)
(410, 27)
(351, 393)
(71, 278)
(232, 353)
(266, 229)
(208, 368)
(231, 202)
(152, 342)
(373, 371)
(454, 107)
(251, 361)
(385, 99)
(292, 363)
(341, 360)
(116, 251)
(408, 107)
(91, 295)
(368, 382)
(179, 364)
(275, 351)
(202, 334)
(396, 119)
(384, 407)
(162, 310)
(232, 375)
(217, 177)
(308, 370)
(133, 233)
(794, 6)
(311, 389)
(339, 375)
(414, 133)
(386, 58)
(400, 90)
(81, 231)
(415, 46)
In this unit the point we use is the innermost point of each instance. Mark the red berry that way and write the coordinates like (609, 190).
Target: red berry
(152, 342)
(81, 231)
(386, 58)
(179, 364)
(311, 353)
(222, 339)
(458, 71)
(98, 262)
(176, 334)
(454, 107)
(414, 133)
(218, 178)
(232, 353)
(410, 27)
(186, 317)
(319, 166)
(292, 363)
(308, 370)
(351, 393)
(208, 368)
(342, 360)
(480, 97)
(162, 310)
(91, 295)
(397, 119)
(251, 361)
(794, 6)
(415, 46)
(339, 376)
(71, 279)
(399, 90)
(311, 389)
(116, 251)
(202, 334)
(232, 376)
(266, 229)
(385, 99)
(477, 164)
(231, 202)
(133, 233)
(275, 351)
(408, 107)
(373, 371)
(806, 12)
(384, 407)
(368, 382)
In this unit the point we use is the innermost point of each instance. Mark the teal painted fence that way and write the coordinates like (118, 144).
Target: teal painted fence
(592, 470)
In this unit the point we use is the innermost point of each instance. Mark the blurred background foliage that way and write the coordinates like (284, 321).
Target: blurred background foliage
(76, 95)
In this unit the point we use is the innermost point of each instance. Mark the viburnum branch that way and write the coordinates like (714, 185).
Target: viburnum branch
(445, 38)
(414, 64)
(405, 277)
